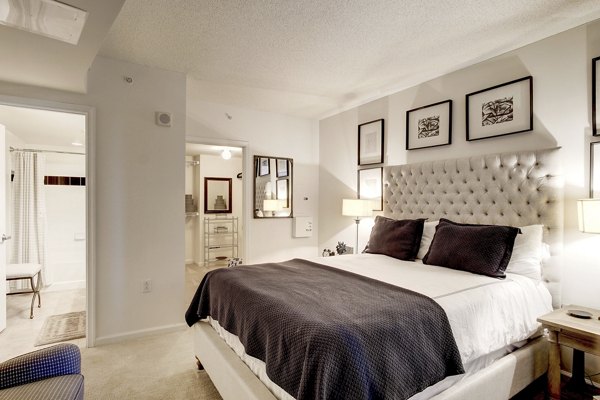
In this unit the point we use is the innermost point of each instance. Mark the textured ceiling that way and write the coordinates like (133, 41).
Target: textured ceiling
(312, 57)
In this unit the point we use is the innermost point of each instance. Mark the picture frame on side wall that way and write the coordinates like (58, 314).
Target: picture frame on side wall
(595, 97)
(370, 142)
(429, 126)
(500, 110)
(595, 170)
(370, 186)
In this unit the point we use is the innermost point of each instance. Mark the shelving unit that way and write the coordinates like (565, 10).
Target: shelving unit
(220, 239)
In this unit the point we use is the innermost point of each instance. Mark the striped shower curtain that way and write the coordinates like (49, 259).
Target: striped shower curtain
(29, 211)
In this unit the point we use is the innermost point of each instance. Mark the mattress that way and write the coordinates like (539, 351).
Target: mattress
(489, 317)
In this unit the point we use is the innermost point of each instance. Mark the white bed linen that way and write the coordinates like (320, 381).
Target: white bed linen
(488, 316)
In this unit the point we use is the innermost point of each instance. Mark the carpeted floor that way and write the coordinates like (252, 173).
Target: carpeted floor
(153, 368)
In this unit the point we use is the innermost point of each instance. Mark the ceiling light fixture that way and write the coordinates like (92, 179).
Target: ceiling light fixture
(44, 17)
(226, 154)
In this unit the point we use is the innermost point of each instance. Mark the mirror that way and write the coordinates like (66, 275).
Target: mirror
(273, 187)
(217, 195)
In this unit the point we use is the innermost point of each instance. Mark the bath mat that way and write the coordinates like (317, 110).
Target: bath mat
(62, 327)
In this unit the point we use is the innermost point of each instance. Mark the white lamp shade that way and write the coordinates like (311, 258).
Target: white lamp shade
(357, 207)
(589, 215)
(272, 205)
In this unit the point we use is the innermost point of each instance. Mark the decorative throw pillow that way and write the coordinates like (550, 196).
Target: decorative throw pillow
(480, 249)
(427, 238)
(396, 238)
(527, 253)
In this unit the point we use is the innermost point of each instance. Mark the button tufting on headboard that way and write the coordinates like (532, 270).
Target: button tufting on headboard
(518, 189)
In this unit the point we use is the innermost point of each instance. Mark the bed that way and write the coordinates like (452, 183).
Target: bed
(517, 189)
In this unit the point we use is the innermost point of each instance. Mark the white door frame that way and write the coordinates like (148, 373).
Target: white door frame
(245, 187)
(90, 183)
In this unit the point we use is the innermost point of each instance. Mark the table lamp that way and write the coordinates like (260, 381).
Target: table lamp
(357, 208)
(588, 211)
(272, 206)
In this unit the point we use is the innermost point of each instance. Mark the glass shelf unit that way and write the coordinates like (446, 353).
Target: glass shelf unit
(221, 240)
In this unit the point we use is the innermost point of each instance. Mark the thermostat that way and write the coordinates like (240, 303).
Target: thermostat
(302, 227)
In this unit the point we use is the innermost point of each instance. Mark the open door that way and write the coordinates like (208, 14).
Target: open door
(3, 228)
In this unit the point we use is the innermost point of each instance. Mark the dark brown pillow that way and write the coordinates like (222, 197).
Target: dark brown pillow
(396, 238)
(480, 249)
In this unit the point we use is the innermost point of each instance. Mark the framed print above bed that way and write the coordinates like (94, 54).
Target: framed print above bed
(370, 142)
(370, 186)
(595, 170)
(500, 110)
(429, 126)
(595, 95)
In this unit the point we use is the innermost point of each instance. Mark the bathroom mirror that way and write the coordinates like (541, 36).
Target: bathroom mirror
(273, 187)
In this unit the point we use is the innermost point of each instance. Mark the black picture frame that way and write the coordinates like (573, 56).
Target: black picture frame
(521, 114)
(440, 117)
(281, 165)
(595, 95)
(594, 170)
(213, 187)
(263, 166)
(371, 142)
(371, 190)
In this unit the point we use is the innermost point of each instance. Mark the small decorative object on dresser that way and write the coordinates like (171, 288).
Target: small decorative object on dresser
(370, 142)
(500, 110)
(328, 253)
(429, 126)
(580, 334)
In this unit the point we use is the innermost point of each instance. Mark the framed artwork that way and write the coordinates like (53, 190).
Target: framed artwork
(282, 167)
(500, 110)
(217, 195)
(595, 170)
(595, 96)
(263, 166)
(429, 126)
(370, 186)
(370, 142)
(281, 192)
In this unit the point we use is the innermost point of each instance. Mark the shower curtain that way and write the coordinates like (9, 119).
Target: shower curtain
(29, 212)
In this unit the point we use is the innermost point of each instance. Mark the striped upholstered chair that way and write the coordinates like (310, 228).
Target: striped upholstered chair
(52, 373)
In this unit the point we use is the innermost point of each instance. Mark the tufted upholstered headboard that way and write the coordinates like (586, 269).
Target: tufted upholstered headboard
(518, 189)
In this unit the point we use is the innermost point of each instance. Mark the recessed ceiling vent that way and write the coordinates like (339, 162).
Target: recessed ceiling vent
(44, 17)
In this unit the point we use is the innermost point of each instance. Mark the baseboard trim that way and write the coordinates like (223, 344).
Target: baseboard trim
(68, 285)
(102, 340)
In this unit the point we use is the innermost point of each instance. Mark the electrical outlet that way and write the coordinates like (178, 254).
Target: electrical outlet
(147, 286)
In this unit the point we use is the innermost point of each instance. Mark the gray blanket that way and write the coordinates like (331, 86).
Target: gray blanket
(325, 333)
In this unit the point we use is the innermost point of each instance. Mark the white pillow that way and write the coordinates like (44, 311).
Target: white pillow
(427, 238)
(527, 252)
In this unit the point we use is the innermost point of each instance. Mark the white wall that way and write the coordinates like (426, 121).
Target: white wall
(267, 134)
(138, 200)
(561, 70)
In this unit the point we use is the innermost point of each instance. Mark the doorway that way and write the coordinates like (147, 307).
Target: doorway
(46, 205)
(215, 218)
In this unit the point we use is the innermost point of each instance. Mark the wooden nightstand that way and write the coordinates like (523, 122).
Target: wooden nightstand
(582, 335)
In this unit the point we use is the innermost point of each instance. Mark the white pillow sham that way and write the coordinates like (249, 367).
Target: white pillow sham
(427, 238)
(527, 252)
(527, 255)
